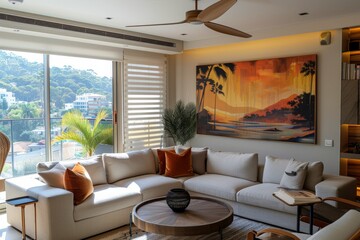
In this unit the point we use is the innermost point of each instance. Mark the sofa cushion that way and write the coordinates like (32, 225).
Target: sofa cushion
(78, 181)
(93, 165)
(314, 175)
(55, 176)
(240, 165)
(198, 156)
(261, 195)
(216, 185)
(162, 159)
(106, 198)
(150, 185)
(294, 175)
(178, 165)
(125, 165)
(342, 229)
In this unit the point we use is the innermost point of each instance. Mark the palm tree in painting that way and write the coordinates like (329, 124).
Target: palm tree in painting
(216, 89)
(205, 71)
(309, 69)
(201, 84)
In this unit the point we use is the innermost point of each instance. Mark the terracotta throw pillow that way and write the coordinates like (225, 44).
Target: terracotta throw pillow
(161, 157)
(178, 165)
(78, 181)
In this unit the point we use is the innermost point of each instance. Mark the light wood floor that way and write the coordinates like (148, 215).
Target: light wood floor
(6, 231)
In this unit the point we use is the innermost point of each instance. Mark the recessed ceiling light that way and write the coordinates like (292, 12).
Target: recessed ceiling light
(303, 13)
(108, 18)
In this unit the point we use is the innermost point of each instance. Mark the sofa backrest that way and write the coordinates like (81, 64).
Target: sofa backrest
(93, 165)
(274, 169)
(131, 164)
(241, 165)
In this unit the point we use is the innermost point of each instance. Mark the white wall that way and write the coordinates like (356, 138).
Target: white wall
(328, 94)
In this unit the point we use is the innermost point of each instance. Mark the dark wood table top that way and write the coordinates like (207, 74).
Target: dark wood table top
(202, 216)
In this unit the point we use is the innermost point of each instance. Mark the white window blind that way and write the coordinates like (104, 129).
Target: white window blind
(144, 102)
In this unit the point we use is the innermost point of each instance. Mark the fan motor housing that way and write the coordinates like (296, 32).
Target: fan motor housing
(191, 16)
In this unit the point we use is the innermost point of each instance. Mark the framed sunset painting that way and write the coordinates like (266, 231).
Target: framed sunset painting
(271, 99)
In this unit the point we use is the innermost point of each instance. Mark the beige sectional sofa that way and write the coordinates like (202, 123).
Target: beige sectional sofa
(121, 180)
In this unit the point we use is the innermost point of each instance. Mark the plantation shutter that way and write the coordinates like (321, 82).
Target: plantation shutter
(144, 101)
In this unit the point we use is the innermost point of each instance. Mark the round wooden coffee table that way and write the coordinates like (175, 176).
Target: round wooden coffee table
(202, 216)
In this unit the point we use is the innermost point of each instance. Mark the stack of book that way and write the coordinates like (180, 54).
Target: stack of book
(293, 197)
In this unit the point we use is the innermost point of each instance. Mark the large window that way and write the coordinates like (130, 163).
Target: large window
(28, 84)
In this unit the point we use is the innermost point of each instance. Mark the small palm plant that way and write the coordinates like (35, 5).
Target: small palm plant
(180, 122)
(79, 129)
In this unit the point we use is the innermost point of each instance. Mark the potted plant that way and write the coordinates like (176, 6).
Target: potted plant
(180, 122)
(79, 129)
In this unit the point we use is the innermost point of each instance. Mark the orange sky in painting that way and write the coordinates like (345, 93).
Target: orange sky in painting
(258, 84)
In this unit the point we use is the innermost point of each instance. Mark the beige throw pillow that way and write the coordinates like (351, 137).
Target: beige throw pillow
(294, 175)
(314, 175)
(55, 176)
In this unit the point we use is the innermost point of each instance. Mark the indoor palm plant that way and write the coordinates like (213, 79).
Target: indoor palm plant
(180, 122)
(79, 129)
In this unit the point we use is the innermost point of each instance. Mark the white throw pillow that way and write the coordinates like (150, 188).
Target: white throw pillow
(55, 176)
(314, 175)
(294, 175)
(240, 165)
(274, 169)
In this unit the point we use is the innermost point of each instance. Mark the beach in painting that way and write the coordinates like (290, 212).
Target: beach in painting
(273, 99)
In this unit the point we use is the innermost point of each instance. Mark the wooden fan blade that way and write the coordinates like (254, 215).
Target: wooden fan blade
(226, 30)
(216, 10)
(159, 24)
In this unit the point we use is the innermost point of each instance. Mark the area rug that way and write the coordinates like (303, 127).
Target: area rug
(237, 230)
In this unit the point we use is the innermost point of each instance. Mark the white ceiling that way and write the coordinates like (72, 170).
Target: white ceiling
(260, 18)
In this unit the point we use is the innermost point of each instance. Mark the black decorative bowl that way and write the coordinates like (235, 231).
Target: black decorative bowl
(178, 199)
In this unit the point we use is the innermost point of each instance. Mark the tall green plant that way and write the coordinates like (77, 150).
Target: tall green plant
(79, 129)
(180, 122)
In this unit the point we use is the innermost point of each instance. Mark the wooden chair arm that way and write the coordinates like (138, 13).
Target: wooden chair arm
(356, 235)
(342, 200)
(253, 235)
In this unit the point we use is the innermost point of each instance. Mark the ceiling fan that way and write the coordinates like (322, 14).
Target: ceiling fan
(205, 16)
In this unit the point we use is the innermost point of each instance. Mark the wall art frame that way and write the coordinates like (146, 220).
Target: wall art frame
(268, 99)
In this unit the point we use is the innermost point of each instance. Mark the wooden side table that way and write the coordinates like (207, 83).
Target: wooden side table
(22, 202)
(299, 207)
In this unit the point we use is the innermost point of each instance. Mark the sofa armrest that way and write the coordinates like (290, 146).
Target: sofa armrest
(337, 186)
(54, 207)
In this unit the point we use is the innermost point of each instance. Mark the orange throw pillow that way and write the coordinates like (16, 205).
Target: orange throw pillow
(161, 157)
(78, 181)
(178, 165)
